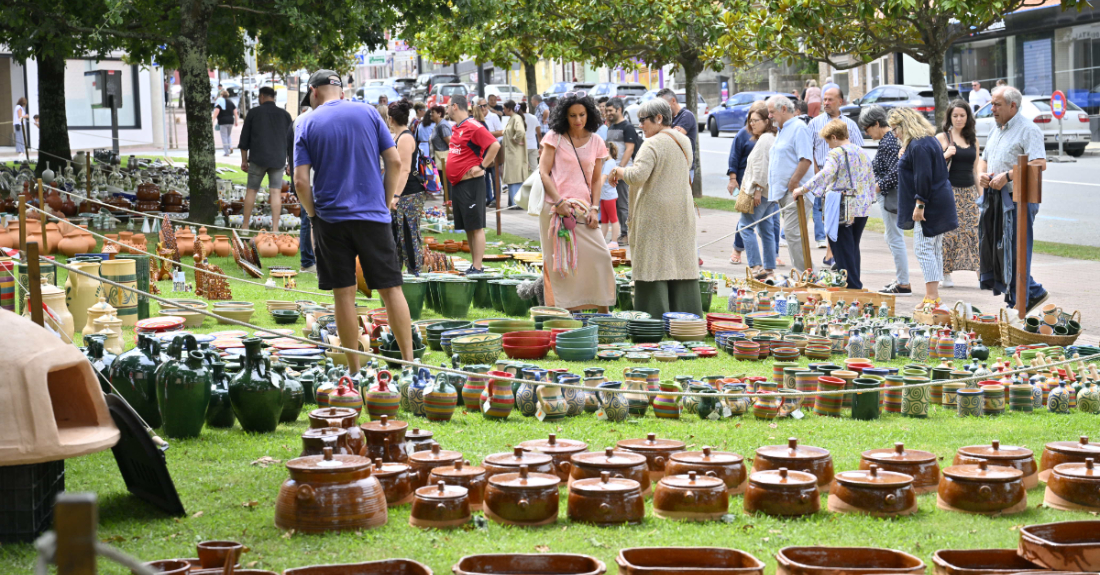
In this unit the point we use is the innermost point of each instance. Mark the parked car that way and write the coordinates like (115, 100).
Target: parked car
(702, 110)
(560, 88)
(617, 90)
(1075, 124)
(402, 86)
(441, 93)
(425, 83)
(730, 115)
(505, 92)
(230, 86)
(891, 96)
(370, 94)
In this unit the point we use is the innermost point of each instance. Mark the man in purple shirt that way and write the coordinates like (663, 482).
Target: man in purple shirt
(349, 206)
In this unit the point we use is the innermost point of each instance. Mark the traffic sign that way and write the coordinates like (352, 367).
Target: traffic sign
(1058, 104)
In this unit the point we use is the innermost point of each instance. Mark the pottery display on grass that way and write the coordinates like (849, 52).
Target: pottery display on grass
(257, 399)
(983, 489)
(382, 399)
(125, 302)
(687, 560)
(560, 450)
(316, 439)
(81, 292)
(846, 561)
(589, 464)
(529, 564)
(1059, 452)
(330, 493)
(1020, 458)
(215, 554)
(54, 298)
(440, 506)
(524, 498)
(499, 463)
(421, 463)
(220, 411)
(1074, 487)
(727, 466)
(873, 492)
(133, 376)
(656, 451)
(183, 394)
(472, 477)
(922, 466)
(981, 562)
(691, 497)
(395, 481)
(795, 457)
(782, 492)
(606, 501)
(1064, 546)
(385, 440)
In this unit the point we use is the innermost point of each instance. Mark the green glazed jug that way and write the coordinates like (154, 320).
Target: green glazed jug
(293, 396)
(220, 411)
(134, 378)
(183, 394)
(257, 399)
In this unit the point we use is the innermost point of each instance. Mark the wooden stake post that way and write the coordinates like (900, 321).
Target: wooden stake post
(803, 226)
(42, 215)
(74, 521)
(34, 278)
(1027, 188)
(23, 225)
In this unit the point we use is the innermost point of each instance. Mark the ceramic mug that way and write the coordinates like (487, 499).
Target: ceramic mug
(1061, 330)
(1072, 327)
(1046, 329)
(1031, 324)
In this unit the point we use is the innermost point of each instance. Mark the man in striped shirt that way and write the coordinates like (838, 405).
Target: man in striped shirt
(832, 98)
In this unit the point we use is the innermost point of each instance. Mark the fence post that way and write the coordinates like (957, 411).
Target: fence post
(1027, 188)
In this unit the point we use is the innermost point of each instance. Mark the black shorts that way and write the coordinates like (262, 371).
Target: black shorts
(468, 204)
(337, 245)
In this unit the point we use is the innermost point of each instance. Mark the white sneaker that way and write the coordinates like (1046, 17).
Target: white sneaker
(822, 245)
(310, 270)
(782, 242)
(947, 282)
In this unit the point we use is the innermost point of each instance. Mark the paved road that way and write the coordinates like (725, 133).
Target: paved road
(1071, 192)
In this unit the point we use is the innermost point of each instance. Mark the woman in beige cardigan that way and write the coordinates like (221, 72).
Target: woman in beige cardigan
(662, 217)
(515, 151)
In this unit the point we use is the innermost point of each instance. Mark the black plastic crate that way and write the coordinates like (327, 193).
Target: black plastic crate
(27, 494)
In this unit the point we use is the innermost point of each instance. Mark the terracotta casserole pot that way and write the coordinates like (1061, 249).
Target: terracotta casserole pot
(782, 492)
(529, 564)
(873, 492)
(845, 561)
(558, 449)
(440, 506)
(922, 466)
(727, 466)
(472, 477)
(523, 498)
(606, 501)
(982, 489)
(395, 481)
(386, 439)
(794, 457)
(1058, 452)
(981, 562)
(656, 451)
(330, 493)
(1074, 487)
(691, 497)
(314, 441)
(1020, 458)
(387, 567)
(343, 417)
(421, 463)
(588, 465)
(687, 561)
(499, 463)
(1064, 546)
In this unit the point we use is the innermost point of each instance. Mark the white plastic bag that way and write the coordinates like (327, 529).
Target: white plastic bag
(531, 194)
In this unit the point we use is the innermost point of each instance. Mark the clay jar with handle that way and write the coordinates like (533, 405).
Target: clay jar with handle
(330, 493)
(344, 418)
(656, 452)
(1059, 452)
(782, 492)
(499, 463)
(846, 561)
(133, 375)
(922, 466)
(523, 498)
(606, 501)
(619, 463)
(395, 481)
(385, 439)
(462, 474)
(440, 506)
(873, 492)
(795, 457)
(183, 394)
(1074, 487)
(315, 440)
(727, 466)
(560, 450)
(1020, 458)
(691, 497)
(422, 463)
(257, 396)
(983, 489)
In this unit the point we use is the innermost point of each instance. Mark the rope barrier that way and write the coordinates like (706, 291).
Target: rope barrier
(741, 229)
(46, 546)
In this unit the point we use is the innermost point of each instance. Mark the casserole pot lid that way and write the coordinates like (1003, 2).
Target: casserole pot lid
(873, 477)
(1079, 447)
(418, 434)
(460, 469)
(321, 432)
(329, 463)
(609, 458)
(333, 413)
(384, 425)
(525, 479)
(605, 484)
(651, 443)
(382, 469)
(899, 455)
(442, 491)
(554, 445)
(707, 457)
(434, 455)
(517, 457)
(693, 481)
(983, 471)
(784, 477)
(997, 451)
(792, 451)
(1086, 470)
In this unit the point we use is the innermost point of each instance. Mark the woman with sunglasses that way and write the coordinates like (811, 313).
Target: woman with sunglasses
(578, 273)
(662, 217)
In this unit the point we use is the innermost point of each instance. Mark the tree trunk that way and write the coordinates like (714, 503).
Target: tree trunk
(531, 78)
(191, 47)
(53, 131)
(692, 68)
(939, 85)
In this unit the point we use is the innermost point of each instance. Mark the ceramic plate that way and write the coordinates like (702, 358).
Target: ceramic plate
(610, 355)
(229, 333)
(227, 343)
(159, 323)
(632, 315)
(305, 353)
(639, 357)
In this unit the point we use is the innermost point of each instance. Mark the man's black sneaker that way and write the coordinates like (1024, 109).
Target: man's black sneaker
(897, 290)
(1035, 302)
(472, 270)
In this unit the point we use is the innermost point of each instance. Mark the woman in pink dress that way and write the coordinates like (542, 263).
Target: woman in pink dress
(812, 96)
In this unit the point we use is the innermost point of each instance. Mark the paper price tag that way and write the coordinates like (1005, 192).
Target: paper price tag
(714, 416)
(797, 414)
(600, 415)
(485, 407)
(540, 414)
(98, 365)
(409, 447)
(726, 411)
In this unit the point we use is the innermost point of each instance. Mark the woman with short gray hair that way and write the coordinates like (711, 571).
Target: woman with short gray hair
(873, 120)
(658, 110)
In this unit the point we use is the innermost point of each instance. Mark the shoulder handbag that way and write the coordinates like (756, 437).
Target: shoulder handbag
(849, 193)
(746, 200)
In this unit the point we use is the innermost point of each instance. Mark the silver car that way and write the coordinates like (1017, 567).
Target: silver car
(702, 109)
(1075, 124)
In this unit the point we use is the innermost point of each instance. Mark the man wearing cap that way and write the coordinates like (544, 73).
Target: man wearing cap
(472, 148)
(349, 204)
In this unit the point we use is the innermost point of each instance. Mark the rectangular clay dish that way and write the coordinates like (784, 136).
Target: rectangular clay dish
(687, 561)
(387, 567)
(845, 561)
(1065, 546)
(529, 564)
(981, 562)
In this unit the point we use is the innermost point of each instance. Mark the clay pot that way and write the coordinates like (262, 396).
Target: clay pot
(606, 501)
(922, 466)
(422, 463)
(982, 489)
(845, 561)
(89, 238)
(1074, 487)
(170, 567)
(1059, 452)
(387, 567)
(795, 457)
(656, 452)
(185, 242)
(873, 492)
(981, 562)
(213, 554)
(560, 450)
(529, 564)
(419, 439)
(221, 246)
(314, 441)
(53, 237)
(330, 493)
(782, 492)
(629, 465)
(440, 506)
(524, 498)
(73, 243)
(1020, 458)
(687, 560)
(472, 477)
(499, 463)
(727, 466)
(385, 439)
(288, 247)
(395, 481)
(344, 418)
(1064, 546)
(691, 497)
(266, 246)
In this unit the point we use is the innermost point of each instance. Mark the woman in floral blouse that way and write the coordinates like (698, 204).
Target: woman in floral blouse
(848, 186)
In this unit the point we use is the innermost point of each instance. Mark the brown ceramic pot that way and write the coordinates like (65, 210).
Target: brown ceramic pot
(395, 481)
(1059, 452)
(220, 571)
(727, 466)
(1074, 487)
(624, 464)
(472, 477)
(170, 567)
(330, 493)
(314, 441)
(419, 439)
(656, 451)
(1020, 458)
(981, 562)
(691, 497)
(559, 449)
(422, 463)
(385, 439)
(344, 417)
(782, 492)
(440, 506)
(813, 460)
(687, 561)
(529, 564)
(982, 489)
(922, 466)
(499, 463)
(1064, 546)
(387, 567)
(214, 554)
(845, 561)
(873, 492)
(606, 501)
(522, 498)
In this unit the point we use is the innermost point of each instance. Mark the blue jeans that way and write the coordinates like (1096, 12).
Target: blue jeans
(895, 240)
(305, 242)
(767, 236)
(1034, 288)
(739, 242)
(513, 189)
(819, 222)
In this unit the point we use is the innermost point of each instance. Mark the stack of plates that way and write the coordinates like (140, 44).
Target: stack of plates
(725, 339)
(726, 320)
(666, 318)
(160, 325)
(446, 337)
(646, 330)
(611, 329)
(631, 314)
(687, 329)
(576, 344)
(583, 317)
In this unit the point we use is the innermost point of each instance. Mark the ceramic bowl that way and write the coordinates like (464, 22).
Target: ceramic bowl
(527, 342)
(191, 318)
(481, 342)
(846, 560)
(681, 560)
(526, 352)
(1064, 546)
(577, 355)
(562, 323)
(510, 325)
(285, 317)
(239, 314)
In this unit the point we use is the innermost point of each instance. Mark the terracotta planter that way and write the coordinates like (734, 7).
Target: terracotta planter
(472, 477)
(440, 506)
(782, 492)
(395, 481)
(656, 452)
(687, 561)
(387, 567)
(727, 466)
(692, 497)
(1074, 487)
(221, 246)
(560, 450)
(982, 489)
(1020, 458)
(606, 501)
(845, 561)
(524, 498)
(981, 562)
(499, 463)
(314, 441)
(1059, 452)
(813, 460)
(629, 465)
(1065, 546)
(385, 440)
(422, 463)
(529, 564)
(330, 493)
(873, 492)
(922, 466)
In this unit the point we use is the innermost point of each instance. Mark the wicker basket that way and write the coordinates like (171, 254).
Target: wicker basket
(1013, 336)
(989, 332)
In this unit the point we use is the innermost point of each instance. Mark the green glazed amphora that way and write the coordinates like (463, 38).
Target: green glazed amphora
(220, 411)
(133, 376)
(183, 394)
(293, 396)
(256, 397)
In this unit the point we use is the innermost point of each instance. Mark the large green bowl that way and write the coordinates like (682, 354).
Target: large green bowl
(415, 290)
(418, 353)
(577, 355)
(510, 325)
(562, 323)
(436, 330)
(477, 342)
